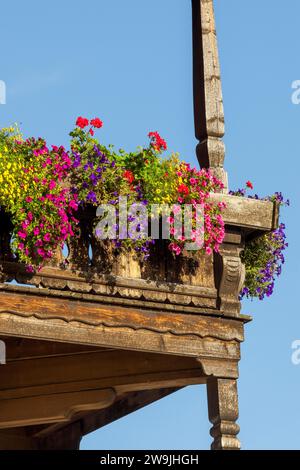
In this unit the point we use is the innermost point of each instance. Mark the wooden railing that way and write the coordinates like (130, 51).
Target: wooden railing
(194, 282)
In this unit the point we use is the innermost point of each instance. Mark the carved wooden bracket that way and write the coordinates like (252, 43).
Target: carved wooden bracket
(230, 274)
(208, 101)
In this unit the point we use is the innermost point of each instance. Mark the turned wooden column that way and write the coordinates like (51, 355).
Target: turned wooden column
(223, 412)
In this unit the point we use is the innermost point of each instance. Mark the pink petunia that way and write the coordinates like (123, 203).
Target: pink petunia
(22, 235)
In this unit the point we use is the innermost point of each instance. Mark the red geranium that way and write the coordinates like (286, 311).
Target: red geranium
(129, 176)
(82, 122)
(249, 185)
(183, 189)
(96, 123)
(157, 142)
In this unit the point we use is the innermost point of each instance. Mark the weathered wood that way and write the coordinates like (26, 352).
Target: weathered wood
(58, 407)
(67, 438)
(19, 349)
(111, 332)
(111, 369)
(223, 412)
(230, 273)
(30, 316)
(208, 101)
(16, 439)
(124, 405)
(247, 213)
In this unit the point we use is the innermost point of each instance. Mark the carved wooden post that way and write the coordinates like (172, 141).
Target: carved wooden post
(223, 412)
(208, 102)
(209, 130)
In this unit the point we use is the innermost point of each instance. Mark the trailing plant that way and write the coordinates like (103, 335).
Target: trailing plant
(263, 257)
(33, 194)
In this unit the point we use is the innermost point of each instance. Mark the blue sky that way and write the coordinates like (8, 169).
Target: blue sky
(130, 64)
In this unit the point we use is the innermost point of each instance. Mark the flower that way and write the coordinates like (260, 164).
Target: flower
(96, 123)
(129, 176)
(22, 235)
(47, 237)
(183, 189)
(82, 122)
(263, 257)
(61, 181)
(92, 197)
(249, 184)
(156, 142)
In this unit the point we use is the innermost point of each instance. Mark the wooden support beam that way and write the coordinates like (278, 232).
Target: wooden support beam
(124, 405)
(121, 370)
(57, 407)
(67, 438)
(248, 214)
(30, 315)
(59, 389)
(223, 412)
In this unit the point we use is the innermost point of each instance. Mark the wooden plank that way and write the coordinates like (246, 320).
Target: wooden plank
(124, 405)
(248, 213)
(22, 349)
(60, 374)
(59, 407)
(183, 293)
(30, 305)
(118, 338)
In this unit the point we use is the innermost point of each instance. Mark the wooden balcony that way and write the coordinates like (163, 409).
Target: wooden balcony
(95, 336)
(94, 331)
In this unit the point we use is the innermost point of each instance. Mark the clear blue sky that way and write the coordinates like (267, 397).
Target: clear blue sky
(129, 62)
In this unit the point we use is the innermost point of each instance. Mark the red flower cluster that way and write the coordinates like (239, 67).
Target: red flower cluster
(183, 189)
(84, 122)
(129, 176)
(96, 123)
(157, 142)
(249, 185)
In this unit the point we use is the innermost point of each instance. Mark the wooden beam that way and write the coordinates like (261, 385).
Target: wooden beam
(22, 348)
(30, 315)
(124, 405)
(41, 390)
(248, 213)
(58, 407)
(121, 370)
